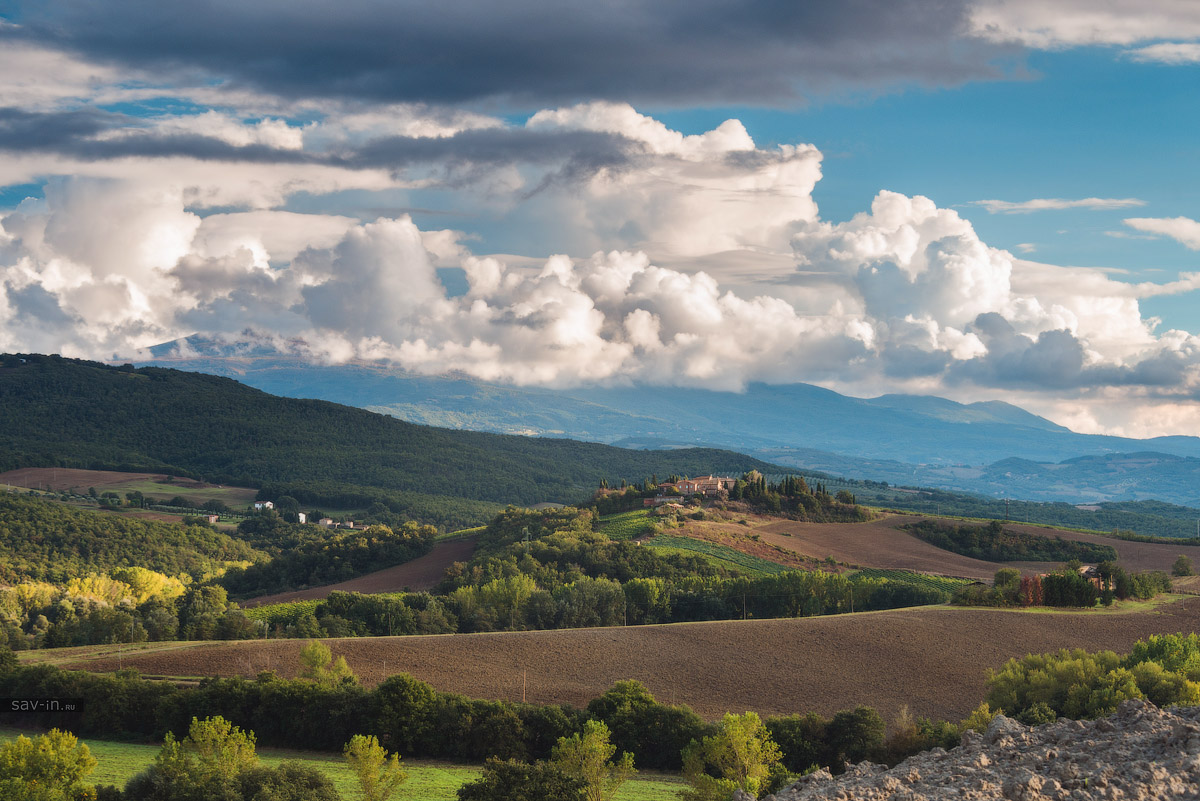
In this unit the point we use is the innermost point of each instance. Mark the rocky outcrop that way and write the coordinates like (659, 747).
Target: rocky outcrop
(1140, 753)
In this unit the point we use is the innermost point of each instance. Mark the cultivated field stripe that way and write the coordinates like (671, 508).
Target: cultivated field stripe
(933, 659)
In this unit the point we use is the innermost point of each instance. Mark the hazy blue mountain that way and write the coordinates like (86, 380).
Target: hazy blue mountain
(909, 439)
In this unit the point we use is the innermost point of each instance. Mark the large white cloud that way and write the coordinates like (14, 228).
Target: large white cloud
(905, 296)
(684, 195)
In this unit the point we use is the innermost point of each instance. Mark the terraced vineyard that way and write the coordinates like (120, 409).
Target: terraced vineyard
(722, 554)
(627, 525)
(944, 584)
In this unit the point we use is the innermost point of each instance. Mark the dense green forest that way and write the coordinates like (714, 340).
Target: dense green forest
(995, 543)
(48, 541)
(72, 413)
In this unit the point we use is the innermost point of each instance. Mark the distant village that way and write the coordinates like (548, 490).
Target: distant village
(302, 517)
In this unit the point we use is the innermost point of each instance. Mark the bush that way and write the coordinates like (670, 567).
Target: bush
(511, 780)
(1076, 684)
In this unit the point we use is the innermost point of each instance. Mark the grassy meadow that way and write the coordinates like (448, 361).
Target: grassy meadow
(428, 780)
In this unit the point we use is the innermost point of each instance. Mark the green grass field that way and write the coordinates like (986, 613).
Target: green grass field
(940, 583)
(234, 497)
(461, 534)
(284, 613)
(427, 780)
(627, 525)
(718, 554)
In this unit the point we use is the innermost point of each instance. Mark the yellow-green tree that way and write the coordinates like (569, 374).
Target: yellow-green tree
(379, 774)
(221, 749)
(318, 665)
(588, 756)
(49, 767)
(740, 756)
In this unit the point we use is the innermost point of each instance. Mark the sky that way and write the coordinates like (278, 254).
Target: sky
(977, 199)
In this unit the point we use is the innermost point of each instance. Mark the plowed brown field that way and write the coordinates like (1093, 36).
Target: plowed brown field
(63, 478)
(931, 658)
(422, 573)
(881, 543)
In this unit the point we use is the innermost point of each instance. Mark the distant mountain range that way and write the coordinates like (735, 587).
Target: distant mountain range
(992, 448)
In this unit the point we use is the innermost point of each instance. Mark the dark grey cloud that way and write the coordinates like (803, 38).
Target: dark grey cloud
(527, 51)
(1055, 360)
(573, 154)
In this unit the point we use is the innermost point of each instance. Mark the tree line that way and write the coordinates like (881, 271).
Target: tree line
(995, 543)
(1066, 587)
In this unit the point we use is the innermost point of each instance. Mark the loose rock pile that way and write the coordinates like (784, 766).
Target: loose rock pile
(1141, 752)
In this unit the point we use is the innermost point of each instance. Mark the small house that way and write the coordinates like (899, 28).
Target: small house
(212, 518)
(302, 517)
(261, 505)
(327, 522)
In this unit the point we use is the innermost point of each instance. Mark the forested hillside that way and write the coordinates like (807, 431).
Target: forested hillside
(56, 411)
(54, 542)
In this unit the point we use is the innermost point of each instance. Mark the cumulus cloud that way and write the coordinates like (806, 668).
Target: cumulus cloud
(1182, 229)
(904, 293)
(1054, 204)
(685, 195)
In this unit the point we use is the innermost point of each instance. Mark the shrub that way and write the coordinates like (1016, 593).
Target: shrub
(510, 780)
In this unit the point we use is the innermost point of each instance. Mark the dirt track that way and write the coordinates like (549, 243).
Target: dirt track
(931, 658)
(422, 573)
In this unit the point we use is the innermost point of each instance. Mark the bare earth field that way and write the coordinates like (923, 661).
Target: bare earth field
(156, 484)
(931, 658)
(880, 543)
(422, 573)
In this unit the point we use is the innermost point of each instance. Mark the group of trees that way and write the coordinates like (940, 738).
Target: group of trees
(1066, 587)
(994, 543)
(215, 761)
(306, 555)
(791, 496)
(48, 541)
(1040, 688)
(128, 605)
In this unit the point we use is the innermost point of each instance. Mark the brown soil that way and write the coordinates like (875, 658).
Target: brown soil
(931, 658)
(881, 543)
(422, 573)
(63, 478)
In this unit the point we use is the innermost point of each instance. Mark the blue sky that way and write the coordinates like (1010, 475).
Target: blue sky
(972, 198)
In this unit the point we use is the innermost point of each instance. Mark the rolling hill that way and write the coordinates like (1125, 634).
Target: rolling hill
(73, 413)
